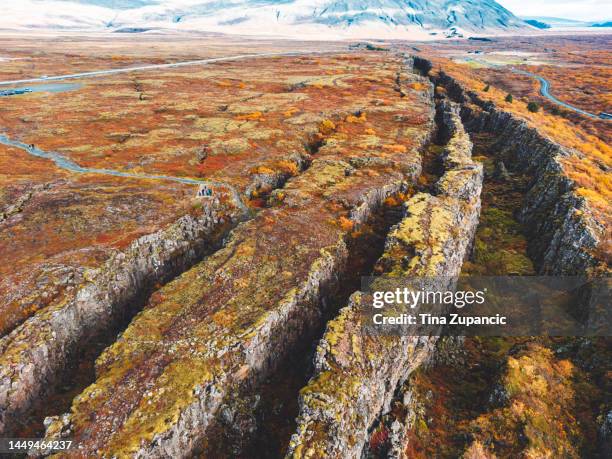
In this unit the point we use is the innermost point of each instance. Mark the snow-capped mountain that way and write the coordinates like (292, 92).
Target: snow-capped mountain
(402, 18)
(564, 23)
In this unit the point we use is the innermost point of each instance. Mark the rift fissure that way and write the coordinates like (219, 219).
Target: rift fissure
(241, 311)
(453, 408)
(356, 375)
(78, 369)
(263, 416)
(259, 421)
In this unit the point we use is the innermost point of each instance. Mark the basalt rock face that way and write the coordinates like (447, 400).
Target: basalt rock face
(559, 223)
(227, 322)
(356, 372)
(34, 354)
(605, 432)
(563, 233)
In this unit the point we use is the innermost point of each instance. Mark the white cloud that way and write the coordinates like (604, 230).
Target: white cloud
(583, 10)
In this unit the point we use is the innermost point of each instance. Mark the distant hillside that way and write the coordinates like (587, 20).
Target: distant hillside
(553, 22)
(293, 17)
(537, 24)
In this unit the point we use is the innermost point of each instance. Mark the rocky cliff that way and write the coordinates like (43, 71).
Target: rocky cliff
(35, 353)
(564, 235)
(356, 372)
(229, 321)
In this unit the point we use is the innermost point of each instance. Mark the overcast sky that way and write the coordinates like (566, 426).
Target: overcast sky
(590, 10)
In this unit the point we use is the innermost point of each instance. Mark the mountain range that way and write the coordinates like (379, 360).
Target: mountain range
(386, 18)
(546, 22)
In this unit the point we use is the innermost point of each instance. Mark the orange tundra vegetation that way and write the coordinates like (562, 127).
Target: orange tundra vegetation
(544, 408)
(359, 118)
(418, 86)
(345, 223)
(186, 122)
(327, 127)
(255, 116)
(589, 168)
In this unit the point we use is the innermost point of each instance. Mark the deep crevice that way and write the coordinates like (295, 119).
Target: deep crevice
(378, 445)
(278, 407)
(258, 422)
(466, 382)
(461, 387)
(79, 370)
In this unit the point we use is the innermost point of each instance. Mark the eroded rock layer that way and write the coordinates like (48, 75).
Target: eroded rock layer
(357, 373)
(230, 319)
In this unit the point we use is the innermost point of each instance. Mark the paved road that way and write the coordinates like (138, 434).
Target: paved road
(545, 91)
(67, 164)
(544, 86)
(149, 67)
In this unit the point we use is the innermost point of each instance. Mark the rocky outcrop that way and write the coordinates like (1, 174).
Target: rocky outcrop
(228, 322)
(266, 180)
(21, 200)
(33, 356)
(94, 302)
(605, 432)
(356, 372)
(564, 236)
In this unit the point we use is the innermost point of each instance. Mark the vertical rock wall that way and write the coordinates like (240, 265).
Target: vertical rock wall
(36, 352)
(356, 373)
(564, 235)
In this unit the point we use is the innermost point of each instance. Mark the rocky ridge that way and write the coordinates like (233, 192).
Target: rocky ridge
(356, 373)
(563, 239)
(295, 270)
(95, 298)
(565, 236)
(228, 321)
(36, 352)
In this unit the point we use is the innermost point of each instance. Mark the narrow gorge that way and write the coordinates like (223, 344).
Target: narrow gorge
(45, 357)
(238, 330)
(242, 322)
(466, 400)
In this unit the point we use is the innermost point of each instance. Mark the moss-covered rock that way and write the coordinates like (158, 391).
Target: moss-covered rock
(356, 371)
(227, 322)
